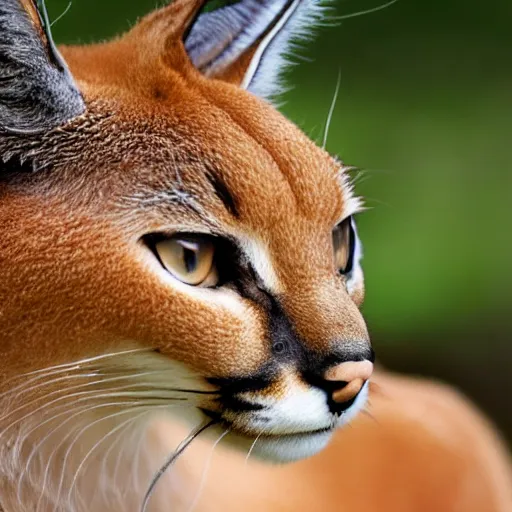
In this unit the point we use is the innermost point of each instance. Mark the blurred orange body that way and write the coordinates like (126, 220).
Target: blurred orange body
(422, 448)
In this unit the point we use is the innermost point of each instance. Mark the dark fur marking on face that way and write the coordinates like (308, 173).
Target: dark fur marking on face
(234, 385)
(285, 343)
(288, 347)
(17, 165)
(223, 193)
(238, 405)
(231, 388)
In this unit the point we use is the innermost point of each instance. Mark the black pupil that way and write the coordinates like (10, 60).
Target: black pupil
(190, 260)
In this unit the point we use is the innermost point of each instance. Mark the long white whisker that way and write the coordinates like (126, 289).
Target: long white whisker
(80, 363)
(361, 173)
(94, 373)
(97, 444)
(26, 435)
(135, 464)
(136, 407)
(57, 392)
(368, 199)
(92, 396)
(42, 377)
(62, 14)
(331, 110)
(61, 443)
(79, 434)
(205, 471)
(361, 179)
(85, 395)
(79, 394)
(363, 13)
(252, 448)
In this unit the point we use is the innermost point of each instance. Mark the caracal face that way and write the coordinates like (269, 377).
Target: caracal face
(169, 240)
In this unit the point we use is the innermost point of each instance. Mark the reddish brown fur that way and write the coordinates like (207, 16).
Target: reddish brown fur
(148, 115)
(75, 279)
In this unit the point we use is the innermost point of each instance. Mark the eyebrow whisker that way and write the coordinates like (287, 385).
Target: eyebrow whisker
(331, 110)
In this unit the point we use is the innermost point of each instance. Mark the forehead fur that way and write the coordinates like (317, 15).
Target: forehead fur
(162, 148)
(173, 128)
(157, 131)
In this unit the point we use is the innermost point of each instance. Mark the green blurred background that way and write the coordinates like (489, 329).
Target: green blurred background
(425, 108)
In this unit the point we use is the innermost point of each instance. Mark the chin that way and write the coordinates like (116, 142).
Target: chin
(278, 449)
(289, 447)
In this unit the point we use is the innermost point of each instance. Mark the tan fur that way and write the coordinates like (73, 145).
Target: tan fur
(77, 282)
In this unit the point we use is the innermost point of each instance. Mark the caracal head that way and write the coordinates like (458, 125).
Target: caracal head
(160, 218)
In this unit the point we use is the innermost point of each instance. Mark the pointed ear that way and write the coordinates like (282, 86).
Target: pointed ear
(37, 91)
(247, 42)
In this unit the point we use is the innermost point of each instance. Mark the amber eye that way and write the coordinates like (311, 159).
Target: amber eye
(189, 258)
(344, 245)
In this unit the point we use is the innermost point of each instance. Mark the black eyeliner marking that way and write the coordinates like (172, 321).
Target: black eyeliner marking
(352, 246)
(223, 194)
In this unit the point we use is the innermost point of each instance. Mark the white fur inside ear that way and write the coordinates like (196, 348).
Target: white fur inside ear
(270, 27)
(275, 53)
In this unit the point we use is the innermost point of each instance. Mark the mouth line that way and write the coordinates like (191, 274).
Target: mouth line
(265, 435)
(305, 433)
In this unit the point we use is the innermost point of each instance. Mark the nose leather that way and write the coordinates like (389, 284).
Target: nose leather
(351, 375)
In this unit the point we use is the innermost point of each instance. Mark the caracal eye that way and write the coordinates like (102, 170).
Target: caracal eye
(189, 258)
(344, 245)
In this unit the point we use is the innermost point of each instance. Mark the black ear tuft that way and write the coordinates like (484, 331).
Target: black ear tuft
(37, 91)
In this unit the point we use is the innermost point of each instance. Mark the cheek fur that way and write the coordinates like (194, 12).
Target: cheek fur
(356, 287)
(214, 331)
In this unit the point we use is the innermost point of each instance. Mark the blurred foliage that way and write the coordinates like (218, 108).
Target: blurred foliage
(425, 111)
